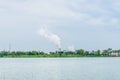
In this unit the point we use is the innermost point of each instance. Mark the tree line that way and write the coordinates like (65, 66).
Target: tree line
(77, 53)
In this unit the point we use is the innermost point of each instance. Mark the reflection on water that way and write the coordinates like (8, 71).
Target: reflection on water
(60, 69)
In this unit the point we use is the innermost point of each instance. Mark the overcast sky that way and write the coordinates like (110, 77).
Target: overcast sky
(87, 24)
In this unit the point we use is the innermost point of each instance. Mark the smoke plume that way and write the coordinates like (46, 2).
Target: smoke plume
(55, 39)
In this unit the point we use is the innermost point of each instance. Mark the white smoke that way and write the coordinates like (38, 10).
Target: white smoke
(71, 48)
(44, 32)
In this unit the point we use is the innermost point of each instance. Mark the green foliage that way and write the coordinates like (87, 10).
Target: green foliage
(78, 53)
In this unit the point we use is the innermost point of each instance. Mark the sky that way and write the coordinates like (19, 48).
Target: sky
(80, 24)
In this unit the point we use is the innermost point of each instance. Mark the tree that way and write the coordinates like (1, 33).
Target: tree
(86, 53)
(34, 52)
(98, 52)
(80, 52)
(109, 51)
(119, 52)
(105, 52)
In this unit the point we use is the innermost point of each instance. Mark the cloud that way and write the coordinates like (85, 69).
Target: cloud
(65, 17)
(103, 21)
(60, 11)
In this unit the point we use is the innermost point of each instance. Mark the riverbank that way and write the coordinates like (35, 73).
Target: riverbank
(25, 56)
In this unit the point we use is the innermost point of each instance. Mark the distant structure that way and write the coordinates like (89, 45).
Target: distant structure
(9, 47)
(59, 49)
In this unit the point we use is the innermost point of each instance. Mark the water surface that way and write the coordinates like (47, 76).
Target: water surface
(60, 69)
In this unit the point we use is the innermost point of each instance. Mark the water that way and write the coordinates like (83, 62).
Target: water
(60, 69)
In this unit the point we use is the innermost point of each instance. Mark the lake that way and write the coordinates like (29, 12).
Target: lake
(60, 69)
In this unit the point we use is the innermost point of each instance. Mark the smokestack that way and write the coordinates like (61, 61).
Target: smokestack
(9, 47)
(54, 38)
